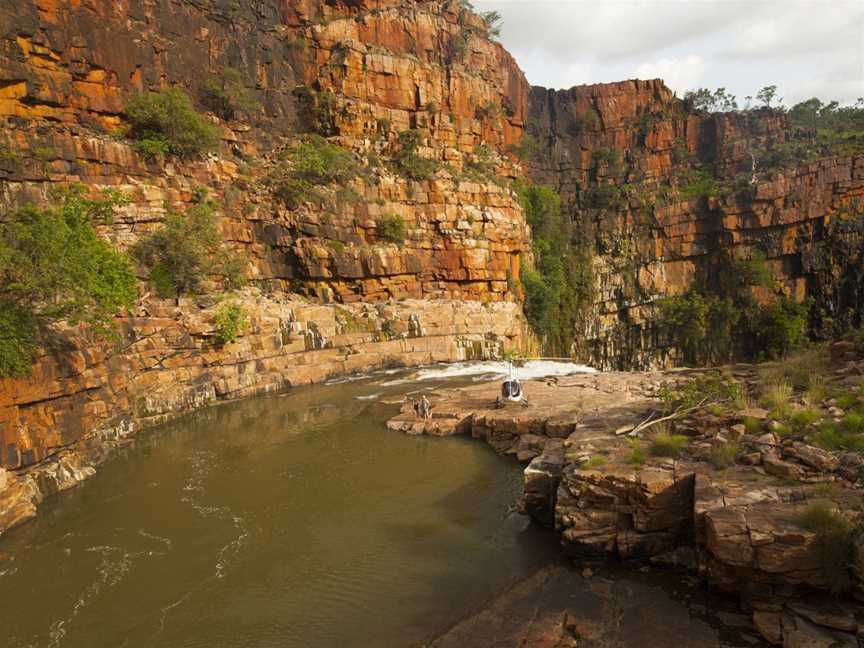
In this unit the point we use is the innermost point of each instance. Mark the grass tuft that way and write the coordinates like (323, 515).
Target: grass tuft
(724, 455)
(594, 462)
(668, 445)
(637, 455)
(835, 535)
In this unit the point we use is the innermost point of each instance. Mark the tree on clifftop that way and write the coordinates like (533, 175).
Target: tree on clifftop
(767, 95)
(54, 266)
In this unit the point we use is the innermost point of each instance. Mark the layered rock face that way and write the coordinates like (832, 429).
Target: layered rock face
(68, 412)
(359, 73)
(619, 153)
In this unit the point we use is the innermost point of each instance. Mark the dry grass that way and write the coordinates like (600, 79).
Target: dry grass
(775, 397)
(796, 370)
(724, 455)
(668, 445)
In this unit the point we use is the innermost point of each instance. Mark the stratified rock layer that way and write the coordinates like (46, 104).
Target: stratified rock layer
(620, 153)
(72, 408)
(68, 69)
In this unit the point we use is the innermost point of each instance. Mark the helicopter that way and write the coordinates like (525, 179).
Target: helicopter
(511, 389)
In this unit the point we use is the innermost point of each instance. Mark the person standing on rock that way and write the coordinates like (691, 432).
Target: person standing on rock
(425, 408)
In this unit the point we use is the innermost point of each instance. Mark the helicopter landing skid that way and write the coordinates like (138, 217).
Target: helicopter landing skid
(500, 402)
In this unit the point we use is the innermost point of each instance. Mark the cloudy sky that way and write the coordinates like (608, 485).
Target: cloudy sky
(805, 47)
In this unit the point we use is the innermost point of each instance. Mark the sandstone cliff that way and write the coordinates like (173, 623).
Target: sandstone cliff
(364, 71)
(620, 154)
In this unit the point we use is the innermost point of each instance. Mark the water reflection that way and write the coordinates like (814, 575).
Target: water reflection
(294, 520)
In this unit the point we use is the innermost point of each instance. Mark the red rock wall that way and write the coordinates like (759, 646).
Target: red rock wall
(68, 68)
(652, 242)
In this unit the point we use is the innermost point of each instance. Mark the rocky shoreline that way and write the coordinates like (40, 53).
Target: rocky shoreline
(738, 525)
(61, 422)
(602, 605)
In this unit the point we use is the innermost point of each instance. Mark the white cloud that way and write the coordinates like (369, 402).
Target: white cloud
(802, 46)
(679, 74)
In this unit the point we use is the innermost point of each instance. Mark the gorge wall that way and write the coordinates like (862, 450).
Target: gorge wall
(622, 156)
(328, 295)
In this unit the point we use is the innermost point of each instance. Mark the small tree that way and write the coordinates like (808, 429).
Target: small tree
(493, 23)
(186, 249)
(231, 321)
(165, 123)
(767, 95)
(308, 163)
(717, 101)
(391, 228)
(54, 266)
(408, 162)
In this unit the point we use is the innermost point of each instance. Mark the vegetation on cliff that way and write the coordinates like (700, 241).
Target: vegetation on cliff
(165, 123)
(390, 228)
(226, 94)
(54, 266)
(407, 161)
(721, 318)
(560, 284)
(185, 250)
(307, 165)
(231, 320)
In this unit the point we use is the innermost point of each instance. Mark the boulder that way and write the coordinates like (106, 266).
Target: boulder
(800, 633)
(774, 465)
(817, 458)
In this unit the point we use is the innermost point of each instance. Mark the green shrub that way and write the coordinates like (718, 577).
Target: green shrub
(835, 536)
(830, 436)
(560, 286)
(152, 149)
(493, 23)
(815, 392)
(595, 461)
(783, 327)
(668, 445)
(701, 324)
(307, 165)
(408, 162)
(317, 111)
(775, 397)
(226, 94)
(526, 150)
(186, 249)
(702, 390)
(719, 318)
(801, 370)
(852, 423)
(489, 110)
(723, 455)
(637, 455)
(482, 166)
(699, 185)
(846, 401)
(231, 322)
(390, 227)
(54, 266)
(753, 425)
(801, 420)
(165, 122)
(607, 156)
(336, 246)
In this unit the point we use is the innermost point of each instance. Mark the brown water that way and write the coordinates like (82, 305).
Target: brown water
(297, 520)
